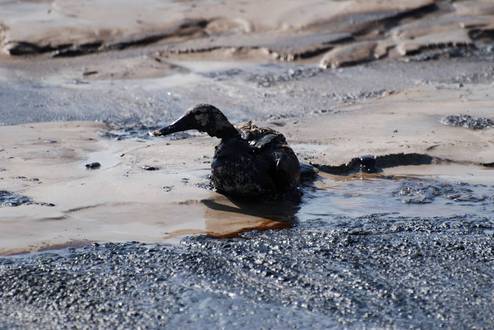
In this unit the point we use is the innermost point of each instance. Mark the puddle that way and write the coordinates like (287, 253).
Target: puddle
(331, 197)
(159, 215)
(402, 196)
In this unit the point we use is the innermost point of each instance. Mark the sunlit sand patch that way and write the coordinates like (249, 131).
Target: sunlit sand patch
(405, 122)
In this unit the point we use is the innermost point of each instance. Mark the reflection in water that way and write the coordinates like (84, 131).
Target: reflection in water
(244, 215)
(283, 211)
(226, 217)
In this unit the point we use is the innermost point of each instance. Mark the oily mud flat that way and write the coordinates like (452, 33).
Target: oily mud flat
(50, 90)
(149, 62)
(373, 271)
(408, 247)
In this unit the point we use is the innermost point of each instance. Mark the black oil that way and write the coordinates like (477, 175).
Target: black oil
(11, 199)
(467, 121)
(93, 165)
(8, 198)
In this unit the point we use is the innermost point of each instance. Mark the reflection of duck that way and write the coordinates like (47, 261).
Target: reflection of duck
(250, 161)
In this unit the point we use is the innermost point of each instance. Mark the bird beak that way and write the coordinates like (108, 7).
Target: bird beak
(182, 124)
(163, 131)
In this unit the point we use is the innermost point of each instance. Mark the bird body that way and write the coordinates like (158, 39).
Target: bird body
(249, 161)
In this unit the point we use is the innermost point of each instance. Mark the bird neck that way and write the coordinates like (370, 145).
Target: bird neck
(224, 133)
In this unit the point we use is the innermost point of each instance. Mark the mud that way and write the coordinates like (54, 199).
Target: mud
(93, 165)
(159, 190)
(150, 168)
(47, 91)
(467, 121)
(401, 129)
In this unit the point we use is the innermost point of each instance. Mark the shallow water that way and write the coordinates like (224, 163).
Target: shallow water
(412, 197)
(330, 198)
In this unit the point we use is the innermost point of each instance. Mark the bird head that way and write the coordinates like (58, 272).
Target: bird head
(204, 118)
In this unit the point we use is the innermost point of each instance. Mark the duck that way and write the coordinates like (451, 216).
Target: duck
(249, 161)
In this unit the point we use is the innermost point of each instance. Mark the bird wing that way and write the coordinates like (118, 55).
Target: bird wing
(263, 141)
(287, 167)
